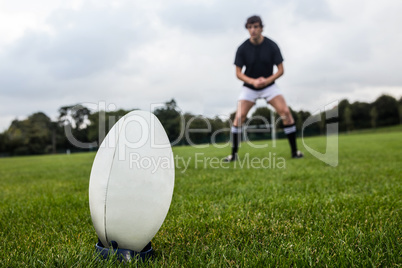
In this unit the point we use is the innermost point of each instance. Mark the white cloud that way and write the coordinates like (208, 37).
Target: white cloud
(133, 54)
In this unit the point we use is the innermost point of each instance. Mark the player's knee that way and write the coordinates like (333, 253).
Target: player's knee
(243, 117)
(239, 119)
(283, 112)
(285, 115)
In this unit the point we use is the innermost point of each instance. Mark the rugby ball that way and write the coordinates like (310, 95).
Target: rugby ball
(131, 182)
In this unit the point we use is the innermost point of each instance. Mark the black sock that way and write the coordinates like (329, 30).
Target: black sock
(236, 136)
(290, 132)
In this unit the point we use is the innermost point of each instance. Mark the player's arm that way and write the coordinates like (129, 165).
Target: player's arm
(276, 75)
(257, 83)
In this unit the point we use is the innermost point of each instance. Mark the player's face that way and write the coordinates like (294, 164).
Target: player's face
(255, 30)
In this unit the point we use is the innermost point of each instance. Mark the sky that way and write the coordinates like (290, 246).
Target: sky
(140, 54)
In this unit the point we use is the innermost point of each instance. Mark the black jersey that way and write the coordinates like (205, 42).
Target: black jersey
(258, 59)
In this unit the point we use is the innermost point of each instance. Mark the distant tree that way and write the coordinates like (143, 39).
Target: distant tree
(388, 110)
(374, 117)
(361, 115)
(74, 120)
(3, 143)
(305, 125)
(400, 110)
(220, 130)
(101, 122)
(261, 115)
(262, 124)
(30, 136)
(301, 118)
(343, 104)
(198, 129)
(55, 135)
(15, 136)
(171, 119)
(348, 118)
(76, 115)
(40, 133)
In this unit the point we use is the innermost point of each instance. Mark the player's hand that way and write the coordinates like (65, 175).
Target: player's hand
(265, 81)
(260, 82)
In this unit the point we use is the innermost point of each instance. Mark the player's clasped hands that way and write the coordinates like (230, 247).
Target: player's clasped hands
(261, 82)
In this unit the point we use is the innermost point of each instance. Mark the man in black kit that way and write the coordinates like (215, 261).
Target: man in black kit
(259, 54)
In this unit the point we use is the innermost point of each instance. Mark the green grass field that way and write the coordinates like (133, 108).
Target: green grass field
(298, 213)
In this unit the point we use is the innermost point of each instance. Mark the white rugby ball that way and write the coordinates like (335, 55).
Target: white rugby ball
(132, 180)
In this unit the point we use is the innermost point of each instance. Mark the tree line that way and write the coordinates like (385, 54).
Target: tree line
(38, 134)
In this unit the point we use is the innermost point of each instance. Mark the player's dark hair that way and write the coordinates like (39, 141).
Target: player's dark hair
(254, 19)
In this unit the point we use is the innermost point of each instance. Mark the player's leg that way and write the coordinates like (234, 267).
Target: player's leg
(289, 126)
(243, 107)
